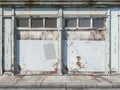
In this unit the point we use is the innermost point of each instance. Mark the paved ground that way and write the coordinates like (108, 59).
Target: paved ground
(61, 82)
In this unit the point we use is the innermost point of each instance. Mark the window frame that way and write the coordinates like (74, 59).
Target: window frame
(70, 18)
(86, 28)
(98, 19)
(63, 21)
(36, 28)
(20, 18)
(36, 19)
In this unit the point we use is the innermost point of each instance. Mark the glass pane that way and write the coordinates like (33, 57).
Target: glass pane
(84, 22)
(50, 22)
(71, 22)
(22, 23)
(37, 22)
(98, 22)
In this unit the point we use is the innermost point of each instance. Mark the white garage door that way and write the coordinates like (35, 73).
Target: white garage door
(82, 47)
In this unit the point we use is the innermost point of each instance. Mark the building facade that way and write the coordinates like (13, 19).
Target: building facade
(53, 37)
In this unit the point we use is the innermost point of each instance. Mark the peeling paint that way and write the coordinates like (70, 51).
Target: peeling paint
(66, 68)
(40, 49)
(79, 62)
(85, 35)
(55, 64)
(29, 3)
(91, 2)
(37, 35)
(82, 55)
(32, 57)
(55, 72)
(19, 67)
(57, 3)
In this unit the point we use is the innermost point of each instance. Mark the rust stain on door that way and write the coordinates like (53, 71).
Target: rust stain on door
(19, 67)
(78, 63)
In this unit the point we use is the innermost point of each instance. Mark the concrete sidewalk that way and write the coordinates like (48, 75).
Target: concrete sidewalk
(60, 82)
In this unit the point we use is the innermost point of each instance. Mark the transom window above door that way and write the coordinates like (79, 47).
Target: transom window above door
(36, 22)
(68, 23)
(84, 22)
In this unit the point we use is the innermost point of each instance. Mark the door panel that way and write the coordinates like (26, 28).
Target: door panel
(81, 39)
(37, 52)
(85, 55)
(84, 51)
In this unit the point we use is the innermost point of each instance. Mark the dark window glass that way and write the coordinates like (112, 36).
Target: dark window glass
(72, 22)
(22, 22)
(98, 22)
(84, 22)
(36, 22)
(50, 22)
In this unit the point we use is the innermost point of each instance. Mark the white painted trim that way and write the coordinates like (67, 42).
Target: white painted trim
(35, 29)
(12, 40)
(60, 42)
(29, 22)
(91, 22)
(34, 16)
(119, 42)
(108, 43)
(77, 22)
(84, 28)
(0, 40)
